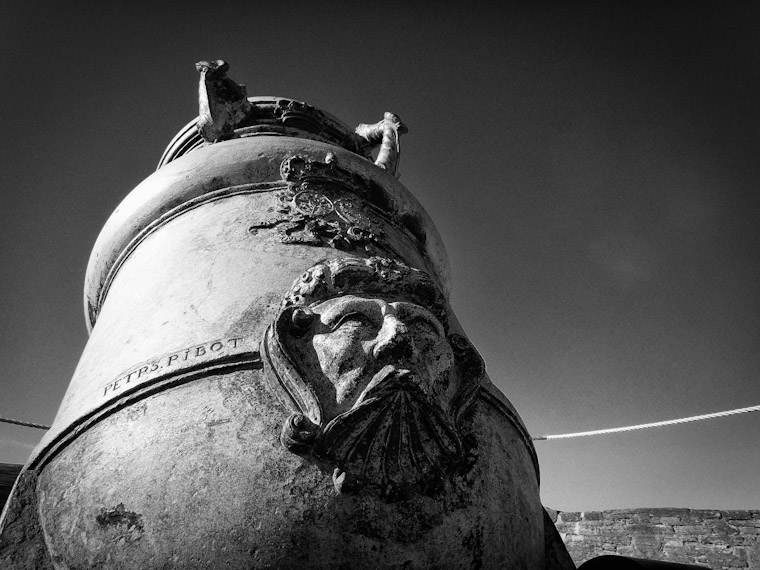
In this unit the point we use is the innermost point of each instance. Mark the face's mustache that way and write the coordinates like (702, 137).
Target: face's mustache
(388, 379)
(393, 424)
(300, 434)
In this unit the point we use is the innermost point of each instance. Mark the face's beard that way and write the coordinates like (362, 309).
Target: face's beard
(395, 440)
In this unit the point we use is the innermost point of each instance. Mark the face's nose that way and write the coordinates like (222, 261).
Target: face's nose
(393, 339)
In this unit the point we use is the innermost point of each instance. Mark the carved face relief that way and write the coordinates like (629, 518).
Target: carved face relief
(380, 388)
(357, 342)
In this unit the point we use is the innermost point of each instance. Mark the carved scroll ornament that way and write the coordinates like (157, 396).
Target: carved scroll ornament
(320, 208)
(324, 205)
(380, 391)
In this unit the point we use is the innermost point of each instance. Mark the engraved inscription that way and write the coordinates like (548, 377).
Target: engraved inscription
(185, 358)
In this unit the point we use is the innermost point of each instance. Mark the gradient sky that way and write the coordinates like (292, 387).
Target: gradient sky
(593, 172)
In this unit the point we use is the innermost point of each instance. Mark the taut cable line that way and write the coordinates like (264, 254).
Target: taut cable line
(20, 423)
(546, 437)
(651, 425)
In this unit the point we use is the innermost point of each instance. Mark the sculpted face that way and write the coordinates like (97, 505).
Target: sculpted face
(379, 391)
(360, 342)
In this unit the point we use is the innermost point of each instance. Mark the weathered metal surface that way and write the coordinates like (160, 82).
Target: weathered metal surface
(274, 377)
(22, 540)
(8, 474)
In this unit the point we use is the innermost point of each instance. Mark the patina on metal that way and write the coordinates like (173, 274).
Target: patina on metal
(274, 376)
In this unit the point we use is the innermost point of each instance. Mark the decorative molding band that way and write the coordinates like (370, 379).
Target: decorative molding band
(276, 116)
(354, 228)
(250, 360)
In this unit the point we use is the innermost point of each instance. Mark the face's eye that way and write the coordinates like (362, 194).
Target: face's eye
(419, 319)
(424, 326)
(353, 319)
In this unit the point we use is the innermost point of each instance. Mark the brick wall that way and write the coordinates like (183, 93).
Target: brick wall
(716, 539)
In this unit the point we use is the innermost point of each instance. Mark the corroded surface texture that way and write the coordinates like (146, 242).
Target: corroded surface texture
(8, 474)
(716, 539)
(382, 394)
(274, 376)
(22, 543)
(232, 166)
(214, 468)
(209, 274)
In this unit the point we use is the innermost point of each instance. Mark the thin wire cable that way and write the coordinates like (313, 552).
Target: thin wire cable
(652, 425)
(545, 437)
(20, 423)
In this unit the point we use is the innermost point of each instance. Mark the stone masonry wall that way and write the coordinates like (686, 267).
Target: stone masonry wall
(715, 539)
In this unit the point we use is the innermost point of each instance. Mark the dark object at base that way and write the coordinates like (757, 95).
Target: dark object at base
(22, 544)
(8, 475)
(557, 557)
(625, 563)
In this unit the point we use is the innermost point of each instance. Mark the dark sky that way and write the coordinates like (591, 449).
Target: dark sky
(593, 172)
